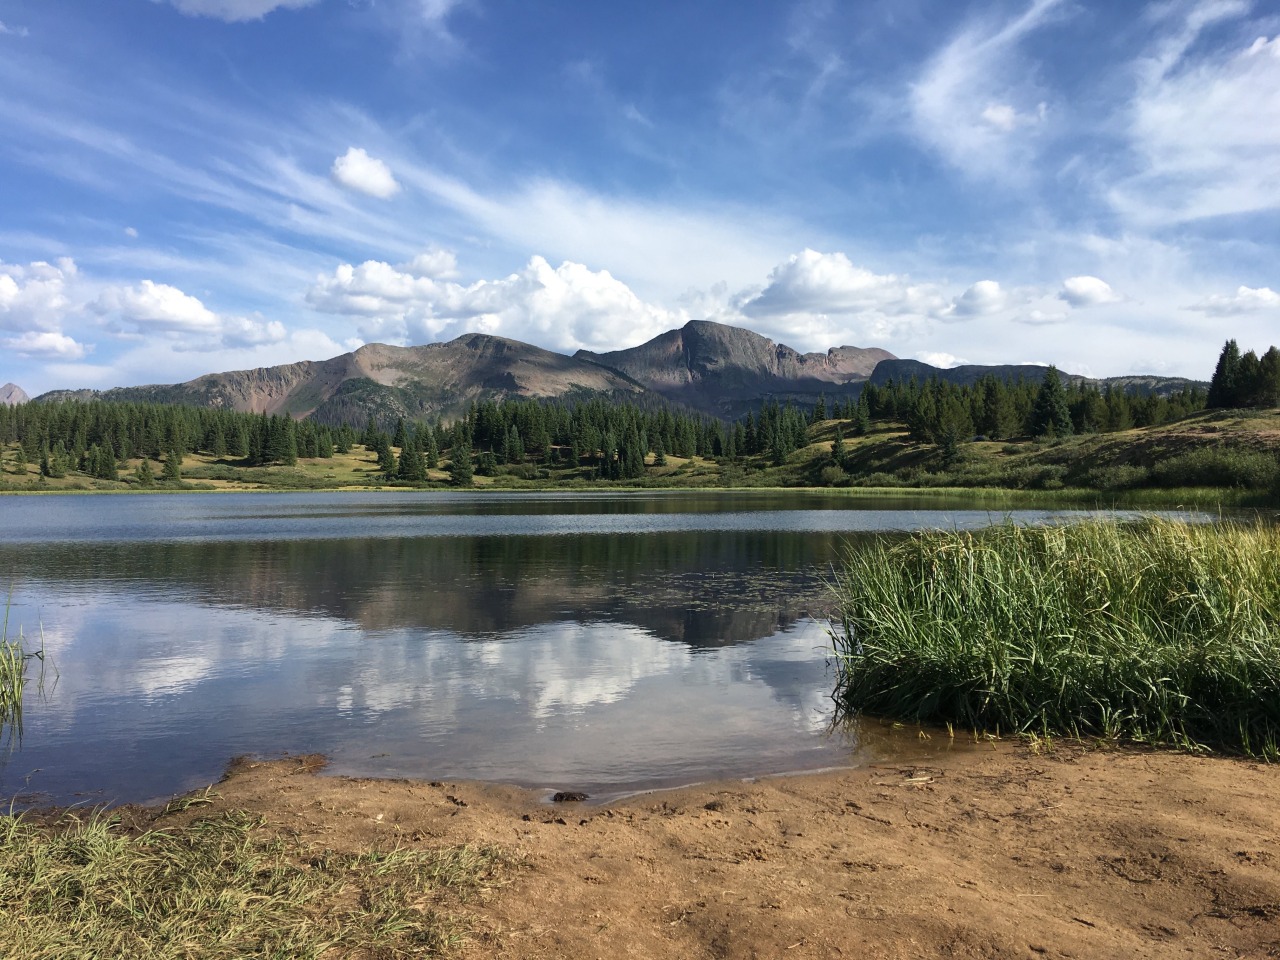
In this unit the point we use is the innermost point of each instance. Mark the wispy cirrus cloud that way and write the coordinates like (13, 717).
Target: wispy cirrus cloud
(1205, 124)
(975, 102)
(236, 11)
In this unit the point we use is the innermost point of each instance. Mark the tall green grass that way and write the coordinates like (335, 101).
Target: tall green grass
(1158, 630)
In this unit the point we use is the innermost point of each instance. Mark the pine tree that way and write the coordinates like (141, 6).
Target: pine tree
(1269, 388)
(172, 465)
(1050, 416)
(1223, 386)
(460, 470)
(837, 449)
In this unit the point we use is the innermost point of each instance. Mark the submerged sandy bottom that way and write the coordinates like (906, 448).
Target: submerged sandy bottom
(993, 852)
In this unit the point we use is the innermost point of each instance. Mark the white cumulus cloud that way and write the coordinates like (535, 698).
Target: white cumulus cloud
(981, 300)
(237, 11)
(815, 300)
(151, 308)
(356, 170)
(45, 345)
(562, 308)
(436, 263)
(1087, 292)
(35, 296)
(943, 360)
(830, 283)
(1244, 300)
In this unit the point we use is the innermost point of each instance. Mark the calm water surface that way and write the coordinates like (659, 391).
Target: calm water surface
(601, 642)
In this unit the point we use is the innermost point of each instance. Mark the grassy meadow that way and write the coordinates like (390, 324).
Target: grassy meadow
(1156, 631)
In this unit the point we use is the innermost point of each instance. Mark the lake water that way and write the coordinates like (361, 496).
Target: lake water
(599, 642)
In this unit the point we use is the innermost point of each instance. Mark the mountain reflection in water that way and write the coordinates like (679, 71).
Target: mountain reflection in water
(597, 643)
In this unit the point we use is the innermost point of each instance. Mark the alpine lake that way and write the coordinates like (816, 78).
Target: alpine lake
(607, 643)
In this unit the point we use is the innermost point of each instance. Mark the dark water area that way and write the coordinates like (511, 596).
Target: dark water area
(606, 643)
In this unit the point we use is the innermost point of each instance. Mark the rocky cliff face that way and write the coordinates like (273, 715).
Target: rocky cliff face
(11, 393)
(725, 370)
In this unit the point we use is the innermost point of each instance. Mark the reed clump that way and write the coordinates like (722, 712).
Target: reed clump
(226, 886)
(1158, 631)
(15, 654)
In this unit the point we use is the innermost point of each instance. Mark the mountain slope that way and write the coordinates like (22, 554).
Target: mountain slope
(725, 370)
(437, 379)
(11, 394)
(900, 370)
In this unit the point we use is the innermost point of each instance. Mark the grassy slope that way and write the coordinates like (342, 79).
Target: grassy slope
(883, 458)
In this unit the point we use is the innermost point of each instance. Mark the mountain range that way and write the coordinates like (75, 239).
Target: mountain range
(709, 367)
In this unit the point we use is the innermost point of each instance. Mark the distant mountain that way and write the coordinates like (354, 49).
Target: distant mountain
(11, 393)
(438, 379)
(710, 367)
(726, 370)
(969, 374)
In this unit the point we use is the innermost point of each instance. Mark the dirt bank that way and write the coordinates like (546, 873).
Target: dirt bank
(991, 853)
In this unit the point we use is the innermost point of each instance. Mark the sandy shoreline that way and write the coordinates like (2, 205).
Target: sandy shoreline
(994, 852)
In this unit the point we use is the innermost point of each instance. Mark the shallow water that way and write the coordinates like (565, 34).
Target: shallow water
(597, 642)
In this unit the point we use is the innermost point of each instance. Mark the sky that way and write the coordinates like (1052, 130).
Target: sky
(192, 186)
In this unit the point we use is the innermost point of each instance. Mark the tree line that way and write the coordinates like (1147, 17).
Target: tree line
(1245, 381)
(96, 437)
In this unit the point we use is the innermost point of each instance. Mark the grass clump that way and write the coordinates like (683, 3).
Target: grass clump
(223, 886)
(14, 657)
(1159, 631)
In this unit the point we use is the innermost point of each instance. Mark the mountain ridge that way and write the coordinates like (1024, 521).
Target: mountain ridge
(704, 366)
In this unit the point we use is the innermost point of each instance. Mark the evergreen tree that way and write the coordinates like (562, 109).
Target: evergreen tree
(862, 415)
(146, 477)
(837, 449)
(1248, 391)
(1223, 385)
(1050, 416)
(1269, 387)
(172, 465)
(460, 470)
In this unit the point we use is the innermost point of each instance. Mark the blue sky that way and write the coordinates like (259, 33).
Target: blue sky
(189, 186)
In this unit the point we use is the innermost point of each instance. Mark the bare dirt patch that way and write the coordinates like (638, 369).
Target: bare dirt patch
(990, 853)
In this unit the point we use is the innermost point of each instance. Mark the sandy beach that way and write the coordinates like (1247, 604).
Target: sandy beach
(992, 851)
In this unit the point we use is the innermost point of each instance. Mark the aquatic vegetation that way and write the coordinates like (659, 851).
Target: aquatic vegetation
(1158, 630)
(14, 658)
